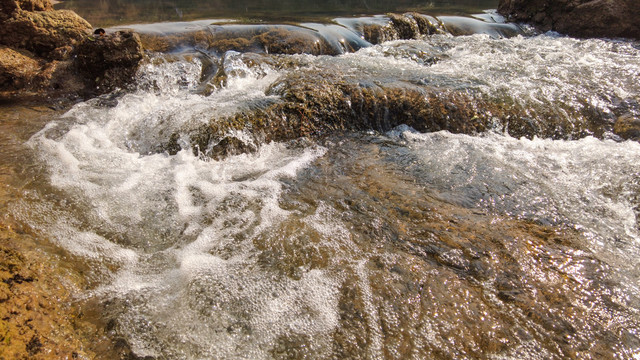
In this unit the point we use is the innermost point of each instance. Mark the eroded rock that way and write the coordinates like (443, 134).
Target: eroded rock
(581, 18)
(48, 34)
(37, 320)
(110, 61)
(314, 104)
(17, 68)
(38, 47)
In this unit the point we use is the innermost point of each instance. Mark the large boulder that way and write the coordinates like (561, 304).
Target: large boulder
(580, 18)
(51, 53)
(8, 7)
(48, 34)
(111, 61)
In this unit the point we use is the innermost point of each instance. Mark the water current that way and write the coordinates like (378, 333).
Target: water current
(378, 241)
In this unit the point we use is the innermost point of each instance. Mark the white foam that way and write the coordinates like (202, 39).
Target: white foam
(185, 232)
(588, 184)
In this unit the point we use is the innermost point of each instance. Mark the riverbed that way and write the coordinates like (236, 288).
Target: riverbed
(234, 205)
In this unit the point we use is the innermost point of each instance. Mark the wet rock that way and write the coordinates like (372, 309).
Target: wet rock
(415, 281)
(276, 39)
(314, 104)
(401, 26)
(581, 18)
(230, 145)
(110, 61)
(627, 127)
(36, 318)
(405, 25)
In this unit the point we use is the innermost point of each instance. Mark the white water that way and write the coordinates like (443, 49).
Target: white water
(181, 246)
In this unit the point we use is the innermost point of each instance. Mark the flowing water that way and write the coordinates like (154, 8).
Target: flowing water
(288, 233)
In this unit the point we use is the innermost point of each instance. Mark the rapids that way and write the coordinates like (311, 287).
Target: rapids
(210, 222)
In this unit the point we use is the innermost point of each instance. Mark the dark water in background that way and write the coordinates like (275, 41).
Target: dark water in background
(120, 12)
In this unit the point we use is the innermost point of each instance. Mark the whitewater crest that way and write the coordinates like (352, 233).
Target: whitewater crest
(546, 86)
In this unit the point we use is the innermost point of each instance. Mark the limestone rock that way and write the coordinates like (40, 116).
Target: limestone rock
(112, 60)
(8, 7)
(16, 68)
(37, 48)
(580, 18)
(48, 34)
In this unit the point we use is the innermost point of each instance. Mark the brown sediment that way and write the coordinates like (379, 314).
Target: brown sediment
(38, 318)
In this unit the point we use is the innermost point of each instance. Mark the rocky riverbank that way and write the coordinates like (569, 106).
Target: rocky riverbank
(580, 18)
(52, 54)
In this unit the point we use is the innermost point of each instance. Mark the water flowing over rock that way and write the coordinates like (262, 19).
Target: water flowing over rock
(309, 102)
(348, 35)
(37, 318)
(388, 187)
(581, 18)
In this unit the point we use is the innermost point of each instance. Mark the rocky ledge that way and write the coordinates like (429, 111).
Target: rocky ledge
(580, 18)
(46, 53)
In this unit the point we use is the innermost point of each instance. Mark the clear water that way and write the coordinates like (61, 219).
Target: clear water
(358, 244)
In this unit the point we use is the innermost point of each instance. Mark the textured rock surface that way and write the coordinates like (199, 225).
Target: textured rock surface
(314, 104)
(38, 47)
(627, 127)
(36, 316)
(17, 68)
(110, 61)
(48, 34)
(581, 18)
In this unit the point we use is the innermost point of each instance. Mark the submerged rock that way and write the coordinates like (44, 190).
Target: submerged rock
(627, 127)
(581, 18)
(312, 103)
(270, 39)
(443, 280)
(348, 35)
(37, 320)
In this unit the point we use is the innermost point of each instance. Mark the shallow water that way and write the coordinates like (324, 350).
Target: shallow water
(372, 242)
